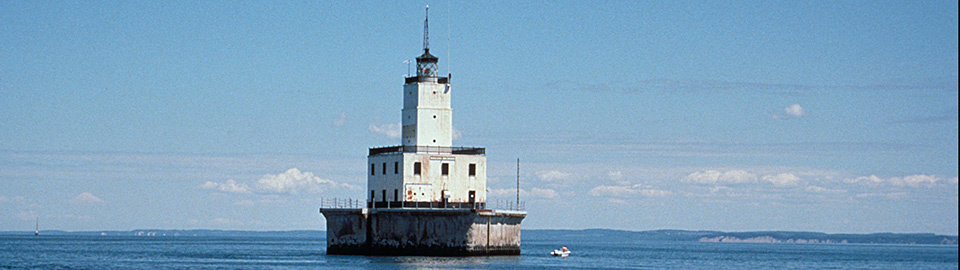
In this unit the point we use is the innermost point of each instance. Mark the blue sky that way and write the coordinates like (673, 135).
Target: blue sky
(803, 115)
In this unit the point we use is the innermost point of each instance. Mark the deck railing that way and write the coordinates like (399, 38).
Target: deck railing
(341, 203)
(337, 203)
(509, 205)
(457, 150)
(429, 205)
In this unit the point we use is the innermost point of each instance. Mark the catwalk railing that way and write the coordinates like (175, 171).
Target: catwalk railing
(456, 150)
(341, 203)
(335, 203)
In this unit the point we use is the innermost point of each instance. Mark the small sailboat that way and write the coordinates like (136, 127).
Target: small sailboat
(562, 252)
(36, 231)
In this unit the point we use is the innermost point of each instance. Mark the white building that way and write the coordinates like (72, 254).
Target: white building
(426, 170)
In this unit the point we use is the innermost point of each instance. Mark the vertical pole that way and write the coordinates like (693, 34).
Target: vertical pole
(518, 184)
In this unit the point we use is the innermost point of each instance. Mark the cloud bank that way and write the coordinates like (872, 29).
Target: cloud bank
(628, 191)
(533, 193)
(292, 181)
(917, 180)
(792, 111)
(389, 130)
(229, 187)
(717, 177)
(86, 197)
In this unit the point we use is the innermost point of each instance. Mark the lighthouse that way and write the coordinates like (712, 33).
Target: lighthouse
(425, 196)
(425, 168)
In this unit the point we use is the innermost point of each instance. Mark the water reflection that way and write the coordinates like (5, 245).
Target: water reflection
(410, 262)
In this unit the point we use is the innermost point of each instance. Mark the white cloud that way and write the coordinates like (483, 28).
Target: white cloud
(627, 191)
(340, 119)
(818, 189)
(655, 193)
(953, 180)
(783, 179)
(456, 134)
(738, 176)
(891, 195)
(230, 186)
(917, 180)
(794, 110)
(717, 177)
(86, 197)
(552, 175)
(706, 177)
(542, 193)
(872, 179)
(390, 130)
(612, 191)
(292, 181)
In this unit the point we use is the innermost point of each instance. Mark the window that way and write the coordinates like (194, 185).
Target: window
(396, 167)
(473, 169)
(373, 169)
(416, 168)
(384, 168)
(373, 193)
(445, 169)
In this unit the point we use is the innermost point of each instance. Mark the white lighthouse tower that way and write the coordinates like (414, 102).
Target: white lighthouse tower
(426, 170)
(425, 197)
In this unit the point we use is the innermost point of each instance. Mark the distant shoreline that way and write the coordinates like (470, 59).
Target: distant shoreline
(772, 237)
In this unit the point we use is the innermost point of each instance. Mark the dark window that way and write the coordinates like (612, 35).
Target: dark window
(373, 193)
(384, 195)
(445, 169)
(384, 168)
(416, 168)
(396, 193)
(373, 169)
(473, 169)
(396, 167)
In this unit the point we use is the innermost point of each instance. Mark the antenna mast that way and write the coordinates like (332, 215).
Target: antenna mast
(518, 184)
(426, 30)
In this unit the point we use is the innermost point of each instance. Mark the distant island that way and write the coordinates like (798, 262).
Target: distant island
(779, 237)
(655, 235)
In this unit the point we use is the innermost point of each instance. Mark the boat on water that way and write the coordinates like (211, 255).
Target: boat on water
(36, 231)
(562, 252)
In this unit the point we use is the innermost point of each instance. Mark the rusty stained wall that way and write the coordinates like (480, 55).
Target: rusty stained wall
(458, 183)
(345, 227)
(431, 184)
(413, 232)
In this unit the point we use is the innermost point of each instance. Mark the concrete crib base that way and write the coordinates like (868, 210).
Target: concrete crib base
(422, 232)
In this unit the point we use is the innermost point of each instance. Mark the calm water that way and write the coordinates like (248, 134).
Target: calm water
(589, 251)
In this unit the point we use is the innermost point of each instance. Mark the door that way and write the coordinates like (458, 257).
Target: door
(473, 196)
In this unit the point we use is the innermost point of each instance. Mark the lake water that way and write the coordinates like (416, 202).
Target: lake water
(589, 251)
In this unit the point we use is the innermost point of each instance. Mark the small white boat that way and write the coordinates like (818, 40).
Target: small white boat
(563, 252)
